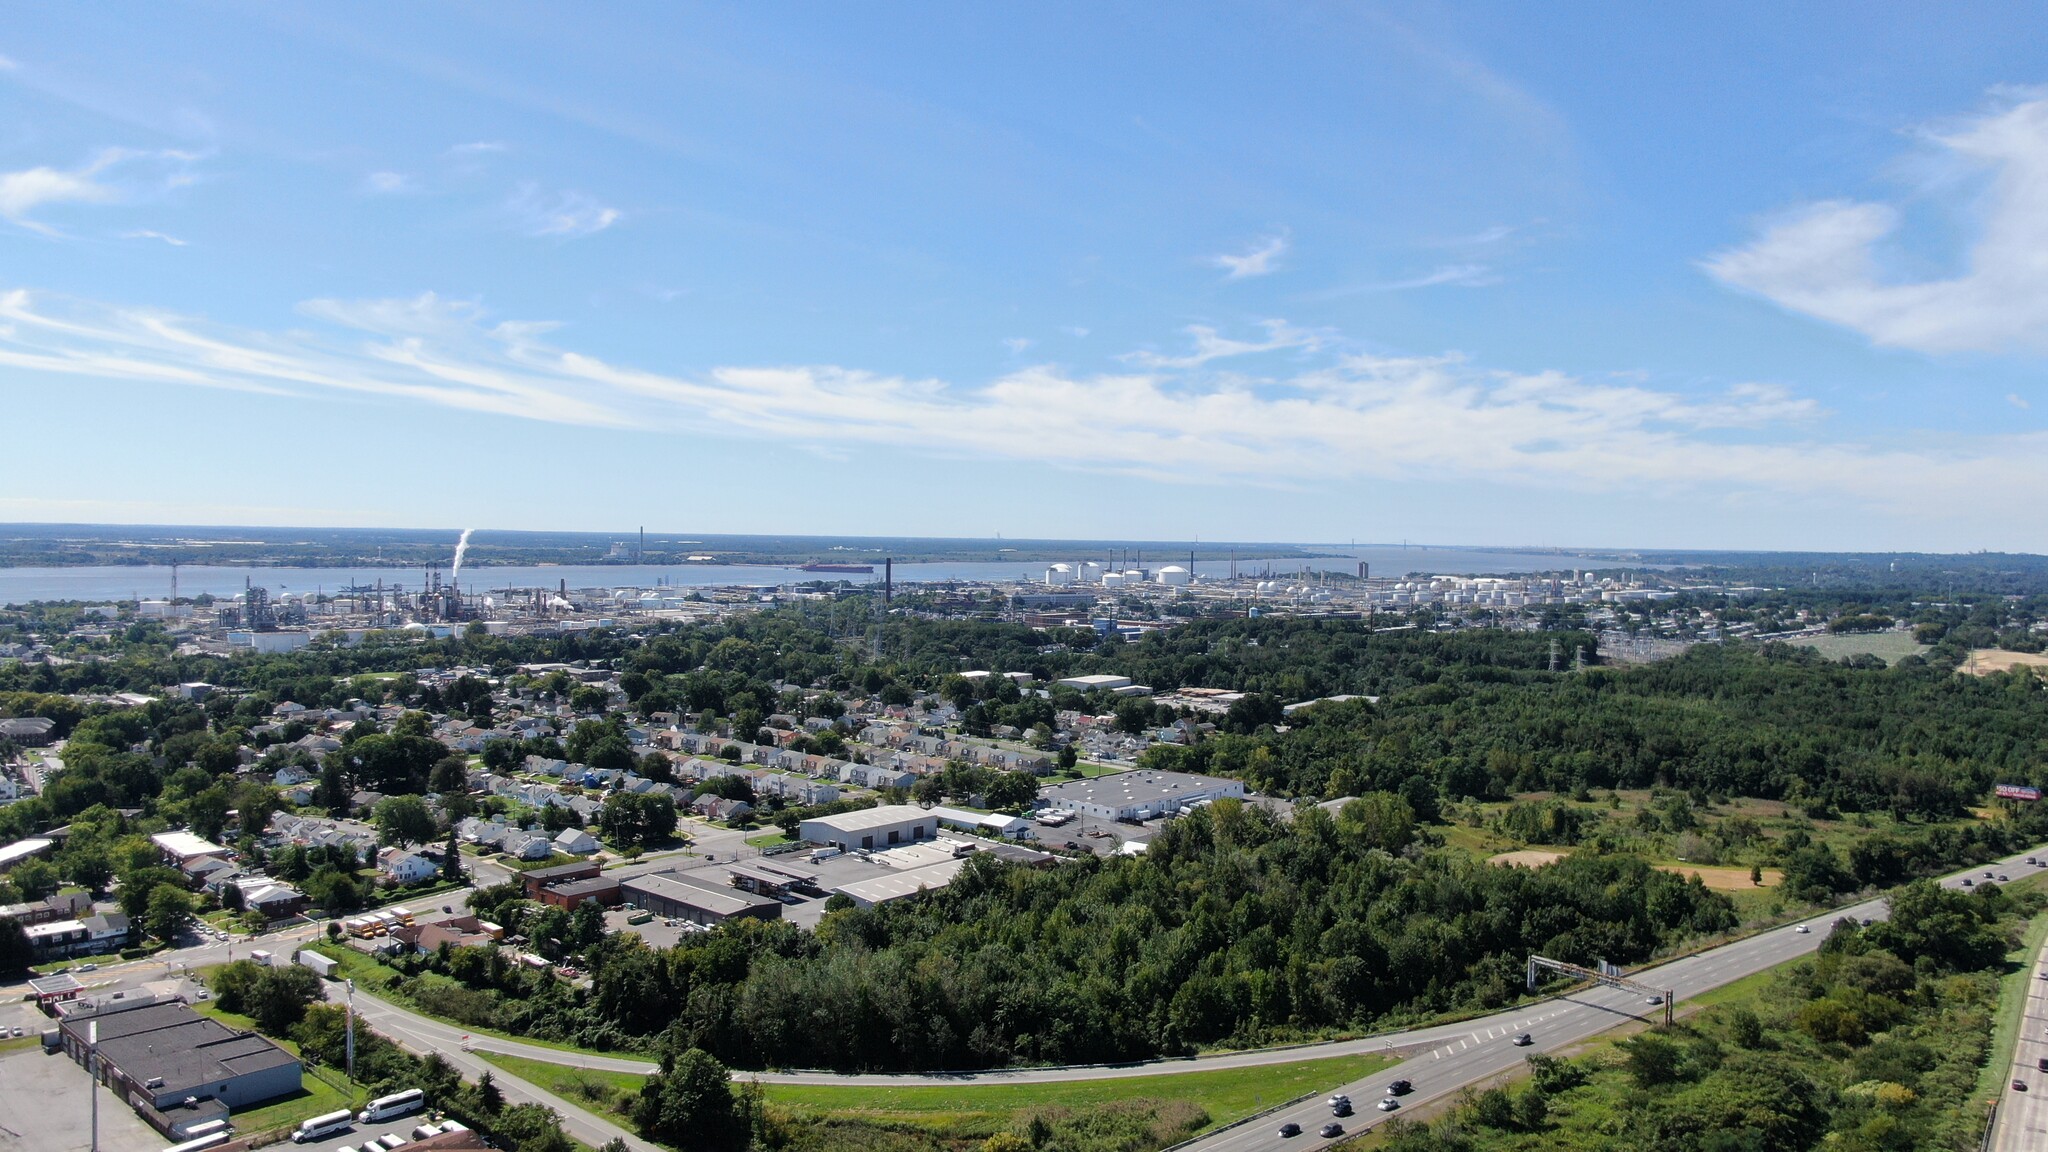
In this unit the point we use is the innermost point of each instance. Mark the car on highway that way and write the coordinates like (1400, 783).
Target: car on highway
(2019, 1085)
(1341, 1108)
(2001, 877)
(1332, 1129)
(1400, 1088)
(1524, 1040)
(1802, 929)
(2032, 860)
(2042, 1063)
(1290, 1129)
(88, 967)
(1653, 1000)
(1968, 883)
(1389, 1104)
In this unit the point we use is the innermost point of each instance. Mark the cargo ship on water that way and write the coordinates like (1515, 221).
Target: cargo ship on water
(835, 567)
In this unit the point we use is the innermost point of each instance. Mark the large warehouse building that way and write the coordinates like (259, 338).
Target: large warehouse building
(1137, 795)
(162, 1052)
(871, 828)
(680, 896)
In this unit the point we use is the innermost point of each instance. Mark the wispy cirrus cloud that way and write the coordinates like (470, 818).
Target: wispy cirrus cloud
(111, 176)
(149, 234)
(562, 214)
(386, 183)
(1353, 415)
(1261, 259)
(1211, 345)
(1827, 259)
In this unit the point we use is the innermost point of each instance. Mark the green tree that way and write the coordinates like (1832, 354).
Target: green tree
(404, 821)
(451, 860)
(15, 953)
(169, 912)
(690, 1102)
(280, 996)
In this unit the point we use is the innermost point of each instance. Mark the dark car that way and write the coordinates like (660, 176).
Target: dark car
(1400, 1088)
(2001, 877)
(2042, 1063)
(1290, 1129)
(1524, 1040)
(1967, 882)
(1332, 1129)
(1341, 1108)
(2019, 1085)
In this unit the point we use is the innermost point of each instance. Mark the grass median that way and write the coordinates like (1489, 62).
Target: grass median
(1224, 1095)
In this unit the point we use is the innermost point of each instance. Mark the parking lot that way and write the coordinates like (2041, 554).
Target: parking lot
(47, 1107)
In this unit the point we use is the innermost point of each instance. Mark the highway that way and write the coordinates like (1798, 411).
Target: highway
(1480, 1050)
(2023, 1116)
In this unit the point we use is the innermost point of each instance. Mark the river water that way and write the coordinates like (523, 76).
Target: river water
(21, 585)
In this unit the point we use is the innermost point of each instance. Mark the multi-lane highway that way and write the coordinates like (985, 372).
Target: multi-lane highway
(2023, 1113)
(1476, 1052)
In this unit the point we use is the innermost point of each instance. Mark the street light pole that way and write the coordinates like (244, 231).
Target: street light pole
(351, 1031)
(92, 1072)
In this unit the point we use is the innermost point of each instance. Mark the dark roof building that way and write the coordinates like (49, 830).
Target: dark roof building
(685, 897)
(163, 1053)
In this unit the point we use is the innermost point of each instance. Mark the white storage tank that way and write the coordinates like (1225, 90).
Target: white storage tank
(1060, 574)
(1174, 575)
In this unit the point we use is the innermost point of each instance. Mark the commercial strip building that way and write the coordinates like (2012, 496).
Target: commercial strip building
(679, 896)
(1137, 795)
(871, 828)
(160, 1053)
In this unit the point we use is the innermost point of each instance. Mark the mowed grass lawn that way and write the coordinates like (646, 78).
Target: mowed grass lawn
(1225, 1094)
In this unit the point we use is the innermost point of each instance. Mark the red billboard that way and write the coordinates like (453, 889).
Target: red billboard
(2018, 792)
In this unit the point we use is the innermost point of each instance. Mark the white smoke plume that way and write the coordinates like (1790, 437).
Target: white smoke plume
(461, 546)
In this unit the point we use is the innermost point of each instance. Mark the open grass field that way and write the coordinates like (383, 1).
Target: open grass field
(1890, 647)
(1985, 661)
(1527, 858)
(1225, 1095)
(1726, 879)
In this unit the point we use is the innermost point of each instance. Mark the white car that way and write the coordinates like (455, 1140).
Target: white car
(1802, 929)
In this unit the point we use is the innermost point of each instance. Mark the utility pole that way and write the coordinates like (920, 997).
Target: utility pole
(351, 1031)
(92, 1070)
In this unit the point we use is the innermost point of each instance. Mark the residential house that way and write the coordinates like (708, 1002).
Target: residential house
(405, 867)
(575, 842)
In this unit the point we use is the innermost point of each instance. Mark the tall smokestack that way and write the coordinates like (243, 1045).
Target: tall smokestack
(888, 579)
(1364, 570)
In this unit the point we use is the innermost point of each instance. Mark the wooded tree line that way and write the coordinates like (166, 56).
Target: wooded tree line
(1236, 927)
(1777, 723)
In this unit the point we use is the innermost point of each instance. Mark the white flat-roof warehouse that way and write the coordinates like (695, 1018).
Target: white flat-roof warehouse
(1137, 795)
(871, 828)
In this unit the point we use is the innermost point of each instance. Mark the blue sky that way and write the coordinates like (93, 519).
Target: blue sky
(1593, 275)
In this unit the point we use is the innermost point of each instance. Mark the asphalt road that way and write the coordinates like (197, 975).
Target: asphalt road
(1438, 1060)
(2023, 1115)
(1480, 1050)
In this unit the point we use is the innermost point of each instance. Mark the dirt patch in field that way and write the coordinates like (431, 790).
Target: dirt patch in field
(1985, 661)
(1527, 858)
(1725, 879)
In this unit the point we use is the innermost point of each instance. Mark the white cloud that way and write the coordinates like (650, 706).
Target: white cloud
(147, 234)
(1450, 275)
(2017, 401)
(23, 192)
(1075, 331)
(477, 148)
(386, 182)
(1018, 345)
(1347, 417)
(1825, 259)
(1261, 260)
(1210, 346)
(564, 214)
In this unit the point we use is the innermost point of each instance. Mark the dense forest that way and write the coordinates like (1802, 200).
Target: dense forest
(1236, 927)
